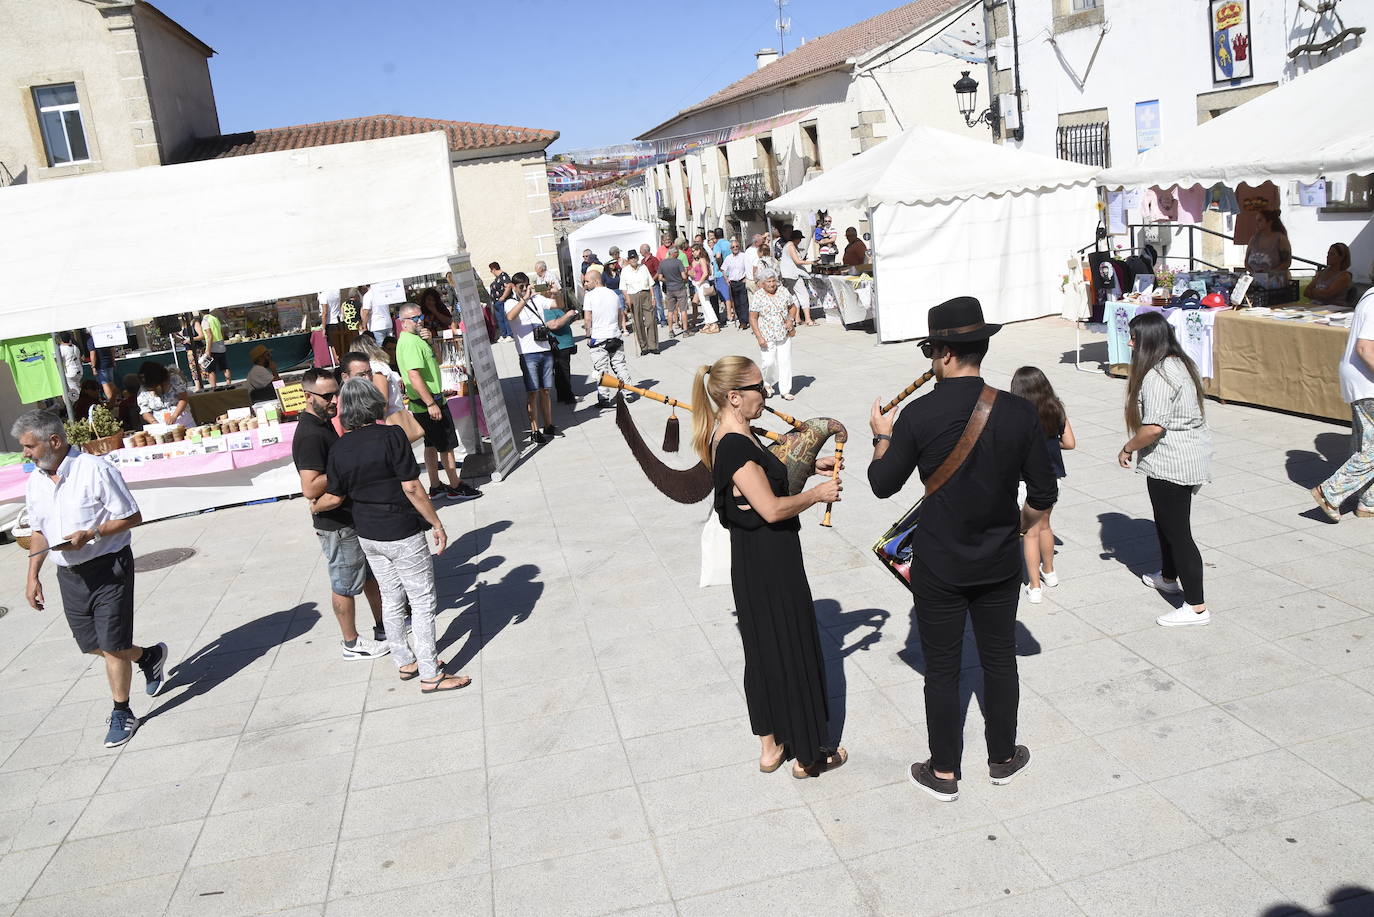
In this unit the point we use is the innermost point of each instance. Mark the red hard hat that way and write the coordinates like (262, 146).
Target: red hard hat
(1214, 301)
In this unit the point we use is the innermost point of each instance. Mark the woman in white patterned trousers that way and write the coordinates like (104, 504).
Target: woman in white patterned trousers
(773, 318)
(374, 466)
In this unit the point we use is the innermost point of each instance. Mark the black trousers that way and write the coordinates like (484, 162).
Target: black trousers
(1181, 559)
(562, 374)
(739, 295)
(940, 613)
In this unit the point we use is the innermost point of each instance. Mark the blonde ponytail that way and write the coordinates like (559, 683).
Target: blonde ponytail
(711, 386)
(703, 415)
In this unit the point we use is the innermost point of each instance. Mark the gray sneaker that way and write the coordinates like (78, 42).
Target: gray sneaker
(364, 648)
(942, 789)
(1003, 772)
(123, 725)
(155, 669)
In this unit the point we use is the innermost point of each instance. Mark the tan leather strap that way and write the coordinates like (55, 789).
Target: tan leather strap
(972, 430)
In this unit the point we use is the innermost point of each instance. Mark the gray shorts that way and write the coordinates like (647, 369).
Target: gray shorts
(348, 569)
(98, 597)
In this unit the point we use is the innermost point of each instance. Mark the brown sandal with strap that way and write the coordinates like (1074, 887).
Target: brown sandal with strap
(833, 760)
(436, 686)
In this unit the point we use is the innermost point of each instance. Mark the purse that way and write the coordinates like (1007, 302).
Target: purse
(206, 360)
(894, 548)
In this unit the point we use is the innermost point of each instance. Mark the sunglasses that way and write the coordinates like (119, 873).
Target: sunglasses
(327, 396)
(756, 387)
(928, 349)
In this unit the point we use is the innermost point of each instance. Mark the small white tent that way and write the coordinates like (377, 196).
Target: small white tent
(954, 216)
(1300, 131)
(607, 230)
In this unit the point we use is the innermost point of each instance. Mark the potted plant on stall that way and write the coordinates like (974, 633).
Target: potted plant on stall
(99, 434)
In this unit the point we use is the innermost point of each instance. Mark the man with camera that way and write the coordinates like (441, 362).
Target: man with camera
(525, 312)
(604, 319)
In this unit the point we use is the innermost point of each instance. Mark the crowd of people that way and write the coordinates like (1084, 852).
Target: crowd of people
(984, 541)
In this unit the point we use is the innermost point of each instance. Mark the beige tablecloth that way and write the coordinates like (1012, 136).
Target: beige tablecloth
(1291, 366)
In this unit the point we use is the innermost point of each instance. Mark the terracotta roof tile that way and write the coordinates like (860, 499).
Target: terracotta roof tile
(462, 135)
(829, 51)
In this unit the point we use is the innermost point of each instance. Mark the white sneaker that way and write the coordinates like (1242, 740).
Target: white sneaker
(1048, 578)
(1032, 595)
(363, 648)
(1157, 581)
(1183, 617)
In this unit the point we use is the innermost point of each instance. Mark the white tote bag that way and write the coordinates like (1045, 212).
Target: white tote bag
(715, 552)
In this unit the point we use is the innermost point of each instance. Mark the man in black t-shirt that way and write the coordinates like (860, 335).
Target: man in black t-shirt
(967, 554)
(348, 571)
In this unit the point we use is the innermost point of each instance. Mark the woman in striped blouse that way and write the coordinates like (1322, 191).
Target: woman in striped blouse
(1173, 449)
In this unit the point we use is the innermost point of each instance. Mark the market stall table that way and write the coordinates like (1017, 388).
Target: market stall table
(172, 486)
(1288, 365)
(288, 351)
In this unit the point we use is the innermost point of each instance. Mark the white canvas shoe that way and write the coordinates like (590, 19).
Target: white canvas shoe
(1049, 578)
(1184, 617)
(1034, 596)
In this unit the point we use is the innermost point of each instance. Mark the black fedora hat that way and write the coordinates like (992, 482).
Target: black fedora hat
(959, 319)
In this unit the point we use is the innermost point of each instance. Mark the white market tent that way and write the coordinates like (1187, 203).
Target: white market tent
(157, 241)
(1301, 130)
(607, 230)
(954, 216)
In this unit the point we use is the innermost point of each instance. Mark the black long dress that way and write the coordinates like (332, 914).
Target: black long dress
(784, 672)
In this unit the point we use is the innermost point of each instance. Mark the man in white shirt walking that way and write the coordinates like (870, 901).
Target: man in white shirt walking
(375, 316)
(81, 512)
(605, 322)
(736, 269)
(636, 283)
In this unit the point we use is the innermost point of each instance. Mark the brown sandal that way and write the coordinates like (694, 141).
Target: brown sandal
(768, 769)
(830, 762)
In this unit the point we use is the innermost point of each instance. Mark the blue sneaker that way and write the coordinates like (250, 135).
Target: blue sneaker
(155, 669)
(123, 725)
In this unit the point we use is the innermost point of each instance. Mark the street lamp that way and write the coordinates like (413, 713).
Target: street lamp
(966, 93)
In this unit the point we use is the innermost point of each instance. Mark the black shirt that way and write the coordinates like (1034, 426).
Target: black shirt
(498, 286)
(314, 440)
(969, 530)
(367, 466)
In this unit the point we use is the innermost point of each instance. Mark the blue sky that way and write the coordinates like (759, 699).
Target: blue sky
(598, 72)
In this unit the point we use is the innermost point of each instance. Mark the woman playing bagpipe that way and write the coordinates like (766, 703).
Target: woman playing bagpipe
(784, 672)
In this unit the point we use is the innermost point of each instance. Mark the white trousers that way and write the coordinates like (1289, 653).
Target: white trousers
(776, 363)
(405, 572)
(704, 291)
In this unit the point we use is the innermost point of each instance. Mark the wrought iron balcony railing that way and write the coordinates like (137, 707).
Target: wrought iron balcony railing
(749, 192)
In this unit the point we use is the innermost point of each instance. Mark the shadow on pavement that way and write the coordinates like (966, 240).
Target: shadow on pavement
(1309, 468)
(1346, 901)
(502, 604)
(233, 651)
(839, 624)
(1131, 542)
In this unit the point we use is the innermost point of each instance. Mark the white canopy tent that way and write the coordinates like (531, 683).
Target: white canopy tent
(1299, 131)
(607, 230)
(158, 241)
(955, 216)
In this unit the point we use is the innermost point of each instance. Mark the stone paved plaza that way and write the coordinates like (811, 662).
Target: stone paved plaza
(602, 761)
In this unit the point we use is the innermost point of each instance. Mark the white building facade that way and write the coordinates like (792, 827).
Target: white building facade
(800, 113)
(1102, 80)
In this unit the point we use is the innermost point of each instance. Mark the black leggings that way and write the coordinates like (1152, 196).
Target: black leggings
(1173, 506)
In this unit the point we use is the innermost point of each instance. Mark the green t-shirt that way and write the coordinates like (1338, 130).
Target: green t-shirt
(414, 352)
(36, 374)
(564, 335)
(210, 327)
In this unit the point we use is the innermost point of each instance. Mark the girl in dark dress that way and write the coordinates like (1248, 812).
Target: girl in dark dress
(784, 673)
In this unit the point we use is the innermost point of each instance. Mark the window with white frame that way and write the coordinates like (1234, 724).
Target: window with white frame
(1078, 6)
(59, 116)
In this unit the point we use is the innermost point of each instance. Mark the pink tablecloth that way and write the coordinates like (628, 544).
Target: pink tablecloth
(13, 479)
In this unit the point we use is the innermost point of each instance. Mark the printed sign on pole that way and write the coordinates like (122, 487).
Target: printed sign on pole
(110, 335)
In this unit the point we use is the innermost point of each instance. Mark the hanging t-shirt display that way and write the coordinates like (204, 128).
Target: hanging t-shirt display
(37, 374)
(1192, 203)
(1194, 328)
(1252, 201)
(1118, 319)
